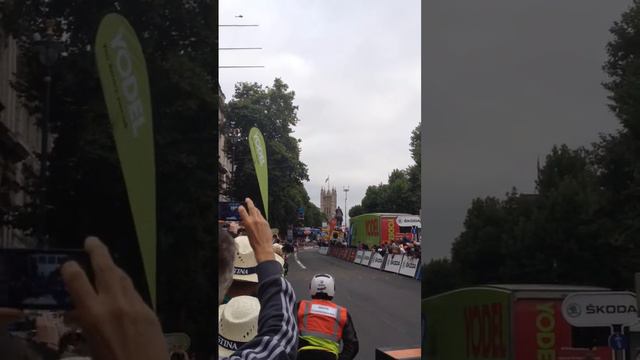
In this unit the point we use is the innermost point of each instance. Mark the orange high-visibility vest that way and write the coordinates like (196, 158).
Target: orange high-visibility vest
(321, 318)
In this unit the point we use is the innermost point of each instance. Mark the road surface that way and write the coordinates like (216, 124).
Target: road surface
(385, 307)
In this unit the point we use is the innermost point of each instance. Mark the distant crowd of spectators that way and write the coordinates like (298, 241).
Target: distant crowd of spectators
(403, 246)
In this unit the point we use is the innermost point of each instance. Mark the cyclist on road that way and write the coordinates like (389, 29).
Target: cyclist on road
(323, 324)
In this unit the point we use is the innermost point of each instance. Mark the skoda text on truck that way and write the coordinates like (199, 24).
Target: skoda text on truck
(379, 228)
(522, 321)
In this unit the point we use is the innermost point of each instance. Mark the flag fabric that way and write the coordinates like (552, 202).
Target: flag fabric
(326, 181)
(259, 155)
(125, 86)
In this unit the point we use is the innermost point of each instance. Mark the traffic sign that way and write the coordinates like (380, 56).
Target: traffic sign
(604, 308)
(618, 341)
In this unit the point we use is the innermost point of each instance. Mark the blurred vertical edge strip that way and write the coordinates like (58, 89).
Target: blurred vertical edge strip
(424, 242)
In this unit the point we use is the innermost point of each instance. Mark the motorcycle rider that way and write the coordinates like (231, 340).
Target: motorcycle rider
(323, 324)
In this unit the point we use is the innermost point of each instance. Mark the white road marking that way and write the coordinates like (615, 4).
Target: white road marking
(295, 255)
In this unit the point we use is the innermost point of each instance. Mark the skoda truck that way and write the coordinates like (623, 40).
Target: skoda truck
(517, 322)
(380, 228)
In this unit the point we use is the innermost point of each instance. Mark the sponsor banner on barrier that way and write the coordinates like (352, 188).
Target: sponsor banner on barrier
(323, 250)
(387, 259)
(376, 261)
(409, 266)
(358, 258)
(366, 257)
(393, 263)
(419, 272)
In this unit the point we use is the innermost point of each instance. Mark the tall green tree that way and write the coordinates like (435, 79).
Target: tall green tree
(623, 68)
(478, 250)
(86, 193)
(272, 110)
(313, 216)
(355, 211)
(440, 275)
(414, 172)
(619, 154)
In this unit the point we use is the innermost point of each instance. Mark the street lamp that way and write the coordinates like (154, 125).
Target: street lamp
(49, 50)
(346, 213)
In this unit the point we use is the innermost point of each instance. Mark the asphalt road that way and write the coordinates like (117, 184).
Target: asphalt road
(385, 307)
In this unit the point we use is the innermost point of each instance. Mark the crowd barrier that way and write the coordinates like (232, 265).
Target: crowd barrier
(397, 264)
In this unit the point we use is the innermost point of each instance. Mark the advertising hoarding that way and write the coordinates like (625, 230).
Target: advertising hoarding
(541, 332)
(467, 324)
(376, 261)
(591, 309)
(393, 263)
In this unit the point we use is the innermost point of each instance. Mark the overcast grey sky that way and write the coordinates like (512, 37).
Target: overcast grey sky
(355, 68)
(503, 81)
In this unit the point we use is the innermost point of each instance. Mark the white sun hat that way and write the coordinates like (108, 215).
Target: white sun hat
(237, 323)
(277, 249)
(244, 263)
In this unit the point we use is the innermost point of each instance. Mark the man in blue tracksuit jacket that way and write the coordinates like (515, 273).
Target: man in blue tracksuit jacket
(277, 336)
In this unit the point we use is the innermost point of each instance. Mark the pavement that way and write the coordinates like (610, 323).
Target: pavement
(385, 307)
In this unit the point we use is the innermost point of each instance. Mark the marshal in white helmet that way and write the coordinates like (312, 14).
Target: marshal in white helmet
(322, 284)
(323, 324)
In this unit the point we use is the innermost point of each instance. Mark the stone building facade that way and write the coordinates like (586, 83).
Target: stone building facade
(19, 143)
(225, 164)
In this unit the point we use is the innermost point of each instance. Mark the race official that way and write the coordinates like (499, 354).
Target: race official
(323, 324)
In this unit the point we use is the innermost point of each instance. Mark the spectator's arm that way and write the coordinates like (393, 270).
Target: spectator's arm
(350, 345)
(277, 329)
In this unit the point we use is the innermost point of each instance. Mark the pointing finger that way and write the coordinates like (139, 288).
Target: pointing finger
(105, 271)
(243, 213)
(82, 293)
(250, 205)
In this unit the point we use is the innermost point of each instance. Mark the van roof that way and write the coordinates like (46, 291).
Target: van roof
(526, 291)
(386, 214)
(545, 287)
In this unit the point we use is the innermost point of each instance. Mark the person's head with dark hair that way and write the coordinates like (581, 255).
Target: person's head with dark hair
(179, 355)
(226, 254)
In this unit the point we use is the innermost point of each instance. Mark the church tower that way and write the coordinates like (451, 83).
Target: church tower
(328, 201)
